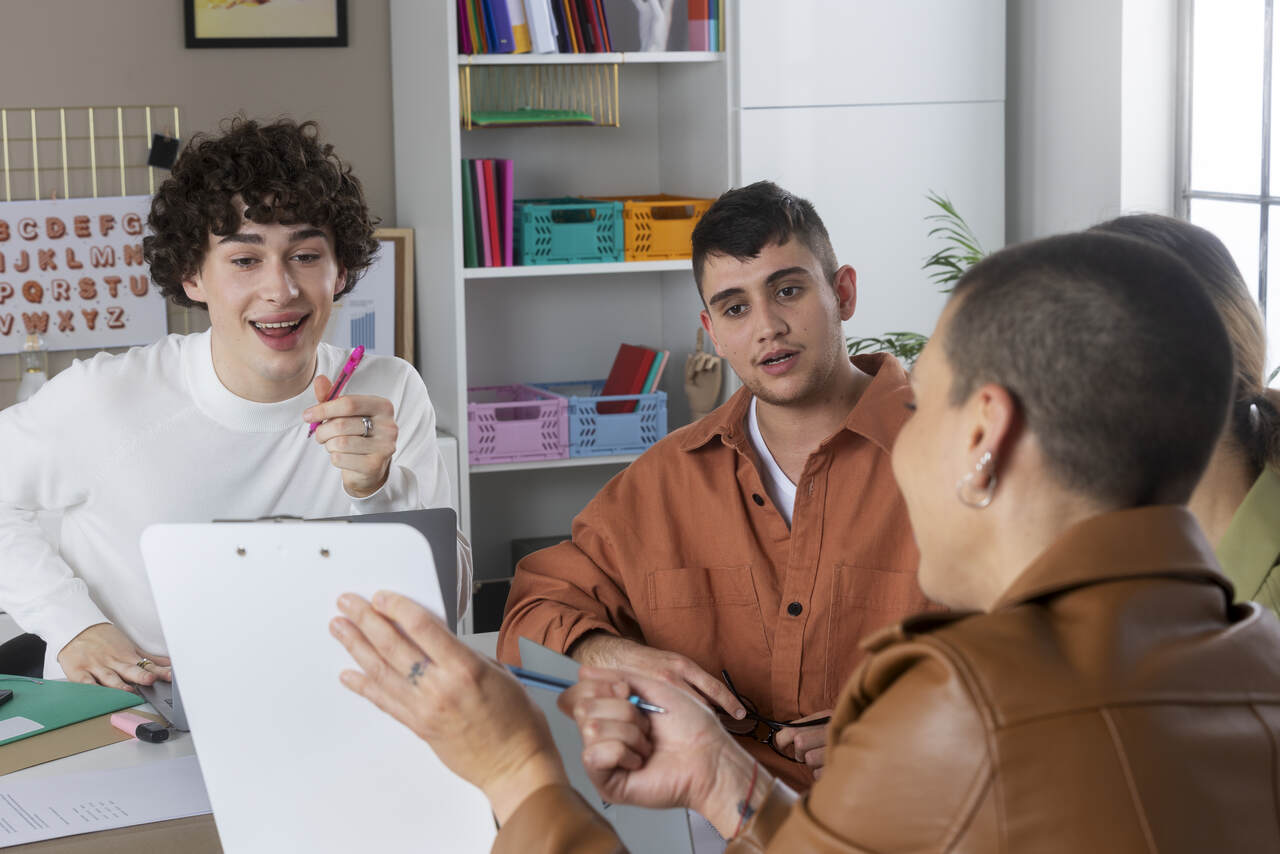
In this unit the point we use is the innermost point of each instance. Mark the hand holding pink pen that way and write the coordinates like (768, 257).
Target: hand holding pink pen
(358, 431)
(340, 381)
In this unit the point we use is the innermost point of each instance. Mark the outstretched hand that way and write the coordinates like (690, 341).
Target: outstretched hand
(472, 712)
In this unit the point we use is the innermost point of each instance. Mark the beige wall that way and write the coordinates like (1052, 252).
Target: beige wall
(77, 53)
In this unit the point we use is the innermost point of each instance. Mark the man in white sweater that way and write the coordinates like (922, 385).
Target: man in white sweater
(265, 228)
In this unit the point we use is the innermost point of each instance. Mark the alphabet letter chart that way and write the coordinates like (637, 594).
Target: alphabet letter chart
(71, 270)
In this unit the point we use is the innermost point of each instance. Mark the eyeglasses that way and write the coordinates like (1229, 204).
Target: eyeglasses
(759, 728)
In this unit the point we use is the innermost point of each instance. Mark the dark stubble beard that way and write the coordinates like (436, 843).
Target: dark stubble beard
(816, 383)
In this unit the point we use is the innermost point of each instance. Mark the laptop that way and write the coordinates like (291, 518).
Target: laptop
(438, 525)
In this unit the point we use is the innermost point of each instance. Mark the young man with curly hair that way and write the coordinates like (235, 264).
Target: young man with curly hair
(264, 227)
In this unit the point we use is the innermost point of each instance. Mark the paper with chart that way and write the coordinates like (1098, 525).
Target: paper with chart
(70, 804)
(367, 315)
(320, 769)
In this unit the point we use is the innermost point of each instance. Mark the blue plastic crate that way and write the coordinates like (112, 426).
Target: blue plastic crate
(592, 434)
(567, 231)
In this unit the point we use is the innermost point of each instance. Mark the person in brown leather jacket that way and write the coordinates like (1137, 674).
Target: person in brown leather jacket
(1095, 688)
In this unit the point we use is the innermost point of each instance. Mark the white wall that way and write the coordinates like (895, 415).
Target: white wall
(1091, 112)
(864, 107)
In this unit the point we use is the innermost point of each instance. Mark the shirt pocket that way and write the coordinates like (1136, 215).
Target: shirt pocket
(864, 600)
(710, 614)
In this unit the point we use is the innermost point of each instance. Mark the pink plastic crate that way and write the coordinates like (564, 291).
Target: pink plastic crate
(513, 423)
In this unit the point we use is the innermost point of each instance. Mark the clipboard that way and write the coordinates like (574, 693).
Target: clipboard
(246, 606)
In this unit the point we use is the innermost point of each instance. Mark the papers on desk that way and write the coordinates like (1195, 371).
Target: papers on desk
(49, 807)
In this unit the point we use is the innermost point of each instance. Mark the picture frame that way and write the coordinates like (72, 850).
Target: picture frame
(378, 313)
(248, 23)
(402, 240)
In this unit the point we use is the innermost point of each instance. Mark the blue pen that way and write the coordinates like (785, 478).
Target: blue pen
(550, 683)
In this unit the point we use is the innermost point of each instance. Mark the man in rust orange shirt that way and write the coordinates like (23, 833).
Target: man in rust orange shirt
(766, 540)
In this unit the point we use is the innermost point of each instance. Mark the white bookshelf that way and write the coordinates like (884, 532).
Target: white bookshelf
(568, 462)
(491, 326)
(556, 270)
(625, 57)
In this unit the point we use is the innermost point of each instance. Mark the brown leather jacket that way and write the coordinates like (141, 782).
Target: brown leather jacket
(1114, 700)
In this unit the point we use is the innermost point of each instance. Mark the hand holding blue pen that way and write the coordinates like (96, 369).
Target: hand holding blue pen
(534, 679)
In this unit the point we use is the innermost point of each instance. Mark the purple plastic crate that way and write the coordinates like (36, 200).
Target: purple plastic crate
(514, 423)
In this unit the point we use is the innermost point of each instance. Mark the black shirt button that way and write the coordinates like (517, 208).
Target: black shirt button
(755, 496)
(794, 609)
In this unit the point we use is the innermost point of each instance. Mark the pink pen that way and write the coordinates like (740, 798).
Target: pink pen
(340, 381)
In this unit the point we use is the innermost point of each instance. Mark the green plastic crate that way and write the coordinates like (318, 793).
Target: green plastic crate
(567, 231)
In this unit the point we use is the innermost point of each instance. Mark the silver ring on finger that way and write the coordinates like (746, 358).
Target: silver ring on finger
(368, 426)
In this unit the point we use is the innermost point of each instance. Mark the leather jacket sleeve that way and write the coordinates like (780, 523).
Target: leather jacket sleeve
(556, 819)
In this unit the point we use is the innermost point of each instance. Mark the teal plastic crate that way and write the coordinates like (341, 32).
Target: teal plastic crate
(567, 231)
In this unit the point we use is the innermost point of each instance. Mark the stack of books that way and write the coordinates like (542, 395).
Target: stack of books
(706, 24)
(487, 212)
(533, 26)
(636, 370)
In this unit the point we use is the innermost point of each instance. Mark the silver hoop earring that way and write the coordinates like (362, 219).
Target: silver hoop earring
(969, 494)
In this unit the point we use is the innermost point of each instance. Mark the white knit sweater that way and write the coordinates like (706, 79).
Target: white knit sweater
(121, 442)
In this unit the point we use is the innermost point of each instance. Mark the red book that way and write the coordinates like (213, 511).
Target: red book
(491, 210)
(630, 370)
(575, 26)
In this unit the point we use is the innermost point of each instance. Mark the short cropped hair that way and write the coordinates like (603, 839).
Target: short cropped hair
(745, 220)
(1255, 419)
(1113, 352)
(281, 171)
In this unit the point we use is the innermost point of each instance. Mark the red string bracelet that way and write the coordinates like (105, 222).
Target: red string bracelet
(744, 809)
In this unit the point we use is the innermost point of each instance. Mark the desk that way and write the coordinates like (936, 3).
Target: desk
(195, 835)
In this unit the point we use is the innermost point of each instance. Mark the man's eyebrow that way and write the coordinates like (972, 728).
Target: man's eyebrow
(306, 233)
(255, 239)
(727, 293)
(784, 272)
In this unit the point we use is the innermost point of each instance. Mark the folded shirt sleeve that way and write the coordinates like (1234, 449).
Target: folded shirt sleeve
(555, 820)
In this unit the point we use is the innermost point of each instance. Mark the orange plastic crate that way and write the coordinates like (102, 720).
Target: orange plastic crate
(658, 227)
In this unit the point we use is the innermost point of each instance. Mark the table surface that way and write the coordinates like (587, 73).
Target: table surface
(130, 753)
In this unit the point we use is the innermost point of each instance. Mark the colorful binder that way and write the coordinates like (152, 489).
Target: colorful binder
(469, 255)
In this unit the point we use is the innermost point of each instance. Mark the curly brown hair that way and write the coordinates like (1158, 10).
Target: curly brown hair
(281, 172)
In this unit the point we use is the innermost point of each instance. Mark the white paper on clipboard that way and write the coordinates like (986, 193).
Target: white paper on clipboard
(245, 609)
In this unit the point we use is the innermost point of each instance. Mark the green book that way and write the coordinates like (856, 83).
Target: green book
(469, 258)
(39, 705)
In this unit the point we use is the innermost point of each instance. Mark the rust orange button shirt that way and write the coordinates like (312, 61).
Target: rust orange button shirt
(684, 551)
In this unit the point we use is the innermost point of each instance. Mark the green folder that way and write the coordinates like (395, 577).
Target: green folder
(52, 703)
(469, 258)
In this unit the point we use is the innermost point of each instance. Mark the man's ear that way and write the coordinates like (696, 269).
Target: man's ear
(846, 285)
(705, 317)
(995, 421)
(194, 289)
(339, 283)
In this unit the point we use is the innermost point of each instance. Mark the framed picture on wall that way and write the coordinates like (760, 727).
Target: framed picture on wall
(378, 312)
(265, 23)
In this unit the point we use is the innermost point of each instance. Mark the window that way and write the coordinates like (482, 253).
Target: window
(1227, 180)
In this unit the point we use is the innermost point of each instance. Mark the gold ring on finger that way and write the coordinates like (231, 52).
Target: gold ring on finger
(142, 663)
